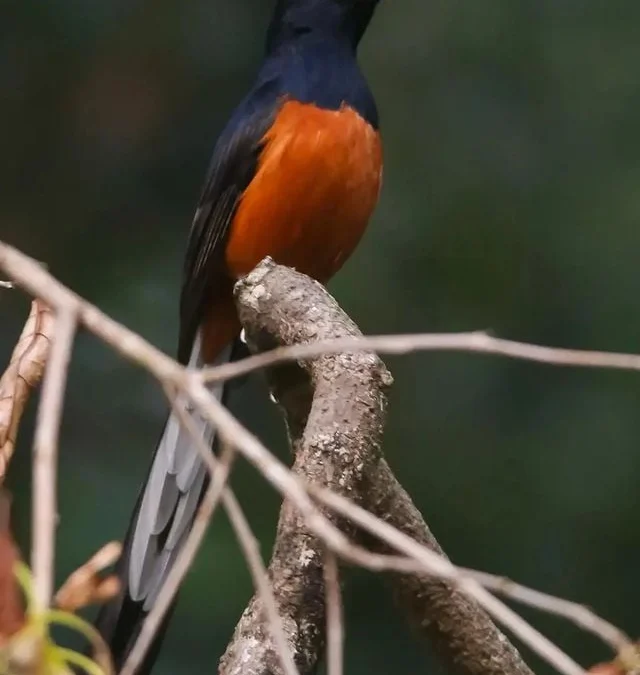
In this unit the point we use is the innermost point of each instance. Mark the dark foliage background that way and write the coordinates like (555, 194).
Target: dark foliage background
(510, 203)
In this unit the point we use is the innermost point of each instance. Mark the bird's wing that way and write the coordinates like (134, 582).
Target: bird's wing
(232, 168)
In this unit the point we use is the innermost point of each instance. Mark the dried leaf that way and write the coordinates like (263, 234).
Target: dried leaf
(606, 669)
(21, 376)
(627, 663)
(86, 586)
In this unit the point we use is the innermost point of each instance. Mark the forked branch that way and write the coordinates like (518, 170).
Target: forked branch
(335, 405)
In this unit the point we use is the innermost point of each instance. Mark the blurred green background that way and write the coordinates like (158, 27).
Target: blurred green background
(510, 203)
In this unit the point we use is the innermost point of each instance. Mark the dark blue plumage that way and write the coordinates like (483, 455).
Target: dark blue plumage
(342, 20)
(311, 52)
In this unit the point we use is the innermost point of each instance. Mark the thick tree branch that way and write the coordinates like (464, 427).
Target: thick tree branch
(335, 408)
(335, 426)
(461, 632)
(411, 556)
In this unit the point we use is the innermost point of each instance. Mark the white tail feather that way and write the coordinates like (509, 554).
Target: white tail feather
(172, 492)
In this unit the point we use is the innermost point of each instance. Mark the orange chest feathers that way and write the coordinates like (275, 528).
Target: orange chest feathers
(315, 188)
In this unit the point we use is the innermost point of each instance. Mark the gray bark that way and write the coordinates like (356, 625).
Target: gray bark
(334, 407)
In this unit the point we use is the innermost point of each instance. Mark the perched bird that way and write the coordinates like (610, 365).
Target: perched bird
(295, 175)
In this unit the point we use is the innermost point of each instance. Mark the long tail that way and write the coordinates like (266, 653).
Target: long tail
(161, 521)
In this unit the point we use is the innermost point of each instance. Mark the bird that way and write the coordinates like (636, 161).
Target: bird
(295, 174)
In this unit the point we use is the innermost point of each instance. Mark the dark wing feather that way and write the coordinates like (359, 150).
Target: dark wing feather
(232, 168)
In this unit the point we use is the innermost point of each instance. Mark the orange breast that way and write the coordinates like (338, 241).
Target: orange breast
(316, 185)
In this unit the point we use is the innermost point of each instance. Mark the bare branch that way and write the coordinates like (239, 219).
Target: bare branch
(31, 276)
(335, 629)
(435, 608)
(22, 375)
(86, 586)
(45, 456)
(246, 655)
(331, 452)
(335, 411)
(435, 564)
(220, 470)
(473, 342)
(580, 615)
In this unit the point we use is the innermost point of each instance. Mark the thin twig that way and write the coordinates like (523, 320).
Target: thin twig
(579, 614)
(473, 342)
(335, 627)
(86, 585)
(247, 541)
(45, 456)
(185, 558)
(33, 277)
(251, 550)
(440, 566)
(291, 487)
(287, 484)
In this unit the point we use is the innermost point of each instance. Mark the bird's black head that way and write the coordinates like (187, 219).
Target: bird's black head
(346, 19)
